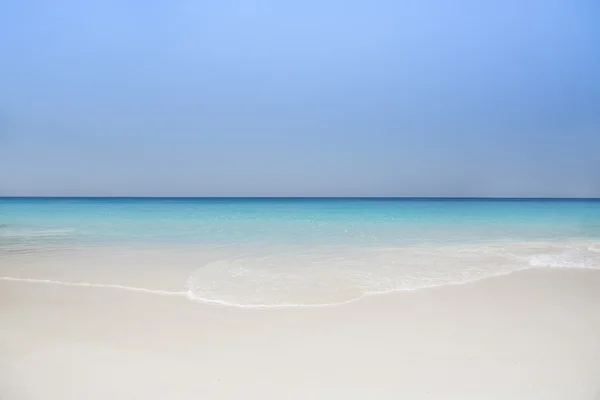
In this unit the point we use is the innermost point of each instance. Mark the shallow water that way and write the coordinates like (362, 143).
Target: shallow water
(290, 252)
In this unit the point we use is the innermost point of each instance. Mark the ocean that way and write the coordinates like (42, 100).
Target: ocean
(289, 252)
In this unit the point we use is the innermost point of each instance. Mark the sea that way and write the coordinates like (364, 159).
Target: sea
(289, 252)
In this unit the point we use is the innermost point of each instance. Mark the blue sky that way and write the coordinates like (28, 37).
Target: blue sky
(303, 98)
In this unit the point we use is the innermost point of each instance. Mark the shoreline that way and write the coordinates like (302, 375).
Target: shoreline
(224, 279)
(218, 303)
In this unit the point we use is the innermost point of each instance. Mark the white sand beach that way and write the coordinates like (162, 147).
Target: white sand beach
(527, 335)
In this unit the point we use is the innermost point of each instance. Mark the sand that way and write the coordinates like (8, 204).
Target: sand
(529, 335)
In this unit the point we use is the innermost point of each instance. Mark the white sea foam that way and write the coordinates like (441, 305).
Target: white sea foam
(561, 260)
(342, 275)
(95, 285)
(327, 276)
(594, 247)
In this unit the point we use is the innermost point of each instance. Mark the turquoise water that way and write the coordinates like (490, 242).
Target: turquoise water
(360, 221)
(295, 251)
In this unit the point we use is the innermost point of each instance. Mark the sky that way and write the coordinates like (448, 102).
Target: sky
(300, 98)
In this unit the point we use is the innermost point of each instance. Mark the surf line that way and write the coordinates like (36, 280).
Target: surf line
(98, 285)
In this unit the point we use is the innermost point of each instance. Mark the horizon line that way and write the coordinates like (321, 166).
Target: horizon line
(308, 197)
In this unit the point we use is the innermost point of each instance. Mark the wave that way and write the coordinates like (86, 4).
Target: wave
(96, 285)
(563, 260)
(340, 277)
(336, 276)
